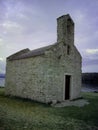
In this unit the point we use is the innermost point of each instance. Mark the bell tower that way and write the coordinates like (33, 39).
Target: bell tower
(65, 30)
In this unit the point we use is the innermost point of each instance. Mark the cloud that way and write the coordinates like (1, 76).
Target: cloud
(1, 42)
(10, 24)
(89, 61)
(2, 65)
(92, 51)
(90, 68)
(10, 29)
(1, 59)
(90, 64)
(86, 33)
(32, 24)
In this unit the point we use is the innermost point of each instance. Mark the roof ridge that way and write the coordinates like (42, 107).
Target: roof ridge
(32, 53)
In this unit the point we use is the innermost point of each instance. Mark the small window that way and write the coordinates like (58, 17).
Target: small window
(68, 49)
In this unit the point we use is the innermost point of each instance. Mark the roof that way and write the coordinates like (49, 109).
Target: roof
(26, 53)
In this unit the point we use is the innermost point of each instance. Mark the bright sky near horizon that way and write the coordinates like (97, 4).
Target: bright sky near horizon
(32, 24)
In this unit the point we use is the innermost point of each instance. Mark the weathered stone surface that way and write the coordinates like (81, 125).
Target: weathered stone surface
(42, 77)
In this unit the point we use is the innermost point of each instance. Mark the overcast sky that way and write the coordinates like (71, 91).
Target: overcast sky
(32, 24)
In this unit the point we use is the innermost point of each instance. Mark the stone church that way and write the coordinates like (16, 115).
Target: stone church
(51, 73)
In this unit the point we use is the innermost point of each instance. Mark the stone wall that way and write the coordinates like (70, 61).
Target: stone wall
(41, 78)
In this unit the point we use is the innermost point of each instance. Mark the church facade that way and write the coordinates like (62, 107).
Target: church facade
(51, 73)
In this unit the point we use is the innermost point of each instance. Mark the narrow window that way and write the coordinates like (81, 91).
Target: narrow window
(68, 49)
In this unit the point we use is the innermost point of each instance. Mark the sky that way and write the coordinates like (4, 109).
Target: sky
(32, 24)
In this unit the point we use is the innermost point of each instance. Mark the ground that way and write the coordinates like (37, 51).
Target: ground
(21, 114)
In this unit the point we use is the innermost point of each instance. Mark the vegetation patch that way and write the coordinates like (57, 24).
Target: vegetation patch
(20, 114)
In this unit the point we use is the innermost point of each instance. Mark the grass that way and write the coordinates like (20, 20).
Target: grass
(20, 114)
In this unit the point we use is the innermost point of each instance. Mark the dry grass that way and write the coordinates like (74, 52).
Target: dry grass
(20, 114)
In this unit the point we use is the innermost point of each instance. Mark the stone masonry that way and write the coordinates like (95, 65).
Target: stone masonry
(40, 74)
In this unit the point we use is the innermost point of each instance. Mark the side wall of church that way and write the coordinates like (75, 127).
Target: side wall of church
(41, 78)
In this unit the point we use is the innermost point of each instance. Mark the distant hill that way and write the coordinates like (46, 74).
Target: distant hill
(90, 78)
(2, 75)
